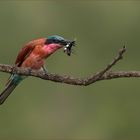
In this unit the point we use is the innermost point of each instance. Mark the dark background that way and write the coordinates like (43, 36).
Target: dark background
(40, 109)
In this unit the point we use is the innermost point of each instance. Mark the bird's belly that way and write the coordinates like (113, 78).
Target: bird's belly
(33, 62)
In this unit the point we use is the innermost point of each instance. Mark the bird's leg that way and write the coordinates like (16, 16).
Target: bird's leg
(45, 69)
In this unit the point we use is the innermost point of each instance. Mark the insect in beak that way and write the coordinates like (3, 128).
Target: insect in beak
(68, 47)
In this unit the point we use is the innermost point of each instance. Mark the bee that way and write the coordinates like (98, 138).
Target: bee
(68, 47)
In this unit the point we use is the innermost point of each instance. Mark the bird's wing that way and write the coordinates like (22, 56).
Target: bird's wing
(27, 49)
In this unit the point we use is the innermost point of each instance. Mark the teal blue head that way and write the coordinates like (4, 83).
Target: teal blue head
(55, 39)
(58, 40)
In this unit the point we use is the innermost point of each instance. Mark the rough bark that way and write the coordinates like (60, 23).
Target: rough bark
(104, 74)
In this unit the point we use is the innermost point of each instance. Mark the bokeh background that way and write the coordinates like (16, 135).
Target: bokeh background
(39, 109)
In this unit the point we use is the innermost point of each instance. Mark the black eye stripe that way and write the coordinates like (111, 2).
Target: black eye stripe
(49, 41)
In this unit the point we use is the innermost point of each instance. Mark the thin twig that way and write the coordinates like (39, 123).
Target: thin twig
(104, 74)
(99, 74)
(116, 59)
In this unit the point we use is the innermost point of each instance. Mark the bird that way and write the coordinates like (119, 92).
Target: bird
(33, 56)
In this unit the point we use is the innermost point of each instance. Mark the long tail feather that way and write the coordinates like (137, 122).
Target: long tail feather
(13, 81)
(7, 91)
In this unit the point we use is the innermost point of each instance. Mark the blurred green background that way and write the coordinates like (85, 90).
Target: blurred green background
(39, 109)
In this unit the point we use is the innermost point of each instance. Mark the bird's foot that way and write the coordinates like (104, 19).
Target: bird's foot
(45, 70)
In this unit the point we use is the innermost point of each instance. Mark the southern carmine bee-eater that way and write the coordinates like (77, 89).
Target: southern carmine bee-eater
(32, 55)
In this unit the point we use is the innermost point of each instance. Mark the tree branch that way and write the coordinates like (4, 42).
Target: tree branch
(104, 74)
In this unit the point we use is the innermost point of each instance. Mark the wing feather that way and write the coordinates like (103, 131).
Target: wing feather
(27, 49)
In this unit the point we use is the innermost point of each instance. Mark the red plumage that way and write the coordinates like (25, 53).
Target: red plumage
(27, 49)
